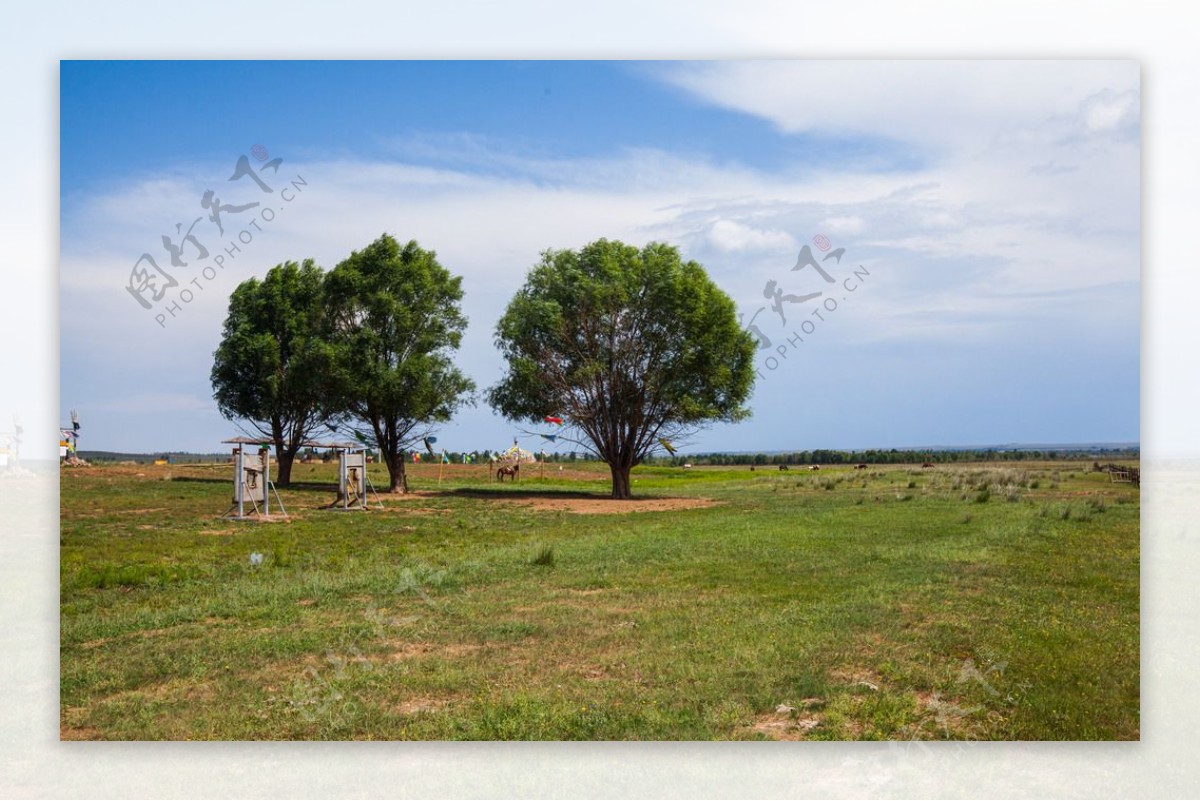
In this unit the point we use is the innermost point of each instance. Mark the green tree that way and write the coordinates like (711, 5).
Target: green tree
(631, 346)
(271, 367)
(396, 320)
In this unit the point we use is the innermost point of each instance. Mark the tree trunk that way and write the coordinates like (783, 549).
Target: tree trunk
(397, 480)
(283, 461)
(286, 459)
(620, 482)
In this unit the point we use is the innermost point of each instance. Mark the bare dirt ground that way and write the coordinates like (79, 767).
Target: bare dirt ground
(607, 506)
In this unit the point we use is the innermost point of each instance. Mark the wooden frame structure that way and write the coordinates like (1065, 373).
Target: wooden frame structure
(353, 480)
(252, 480)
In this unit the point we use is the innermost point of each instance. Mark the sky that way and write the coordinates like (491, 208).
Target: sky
(978, 221)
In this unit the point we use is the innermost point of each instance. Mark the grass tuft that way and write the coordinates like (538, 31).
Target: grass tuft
(544, 557)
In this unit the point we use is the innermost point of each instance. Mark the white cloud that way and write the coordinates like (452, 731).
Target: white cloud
(850, 224)
(1110, 111)
(959, 105)
(730, 235)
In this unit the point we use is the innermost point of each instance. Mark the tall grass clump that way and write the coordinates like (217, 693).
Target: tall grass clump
(544, 557)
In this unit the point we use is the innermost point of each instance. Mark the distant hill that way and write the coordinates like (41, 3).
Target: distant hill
(175, 457)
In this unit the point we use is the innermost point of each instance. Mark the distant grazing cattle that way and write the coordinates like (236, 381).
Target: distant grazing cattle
(860, 467)
(687, 467)
(784, 467)
(927, 464)
(815, 467)
(751, 468)
(511, 470)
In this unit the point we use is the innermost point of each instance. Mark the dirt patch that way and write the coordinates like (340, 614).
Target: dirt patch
(421, 705)
(193, 628)
(947, 715)
(593, 672)
(592, 505)
(857, 677)
(261, 518)
(96, 511)
(92, 515)
(159, 472)
(144, 634)
(784, 725)
(411, 495)
(413, 650)
(418, 511)
(79, 733)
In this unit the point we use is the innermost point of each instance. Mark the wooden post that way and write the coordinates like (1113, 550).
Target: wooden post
(237, 478)
(441, 464)
(264, 459)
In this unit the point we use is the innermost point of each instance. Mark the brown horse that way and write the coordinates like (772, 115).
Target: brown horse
(513, 470)
(860, 467)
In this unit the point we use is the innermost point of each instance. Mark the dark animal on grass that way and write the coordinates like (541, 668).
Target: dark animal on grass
(784, 467)
(927, 464)
(511, 470)
(860, 467)
(815, 467)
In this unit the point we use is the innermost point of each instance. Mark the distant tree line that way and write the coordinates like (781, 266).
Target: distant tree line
(823, 456)
(820, 456)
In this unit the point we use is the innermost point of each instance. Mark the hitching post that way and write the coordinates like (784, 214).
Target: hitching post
(237, 478)
(264, 459)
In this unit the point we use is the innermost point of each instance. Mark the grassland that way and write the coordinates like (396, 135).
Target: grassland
(966, 602)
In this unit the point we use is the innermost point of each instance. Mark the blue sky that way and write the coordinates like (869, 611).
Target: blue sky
(172, 112)
(993, 208)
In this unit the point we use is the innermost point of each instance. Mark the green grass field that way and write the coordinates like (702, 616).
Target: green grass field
(960, 602)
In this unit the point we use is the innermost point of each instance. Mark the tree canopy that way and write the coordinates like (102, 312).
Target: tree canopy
(632, 347)
(272, 364)
(395, 318)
